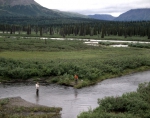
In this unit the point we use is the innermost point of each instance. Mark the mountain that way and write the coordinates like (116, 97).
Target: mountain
(17, 2)
(31, 8)
(102, 17)
(135, 15)
(131, 15)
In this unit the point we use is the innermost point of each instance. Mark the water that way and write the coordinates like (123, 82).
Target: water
(74, 101)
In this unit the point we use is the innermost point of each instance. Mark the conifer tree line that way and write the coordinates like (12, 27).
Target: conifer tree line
(101, 28)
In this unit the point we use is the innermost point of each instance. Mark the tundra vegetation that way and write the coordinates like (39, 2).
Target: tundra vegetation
(58, 60)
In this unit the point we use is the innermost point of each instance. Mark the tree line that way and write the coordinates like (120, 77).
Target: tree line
(101, 28)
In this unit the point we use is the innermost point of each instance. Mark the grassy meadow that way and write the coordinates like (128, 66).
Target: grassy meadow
(56, 61)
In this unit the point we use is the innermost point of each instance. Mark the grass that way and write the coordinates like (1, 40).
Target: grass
(36, 55)
(30, 44)
(99, 52)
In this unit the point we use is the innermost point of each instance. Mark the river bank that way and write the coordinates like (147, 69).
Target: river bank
(18, 107)
(71, 83)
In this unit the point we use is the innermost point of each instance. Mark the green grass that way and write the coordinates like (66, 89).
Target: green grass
(36, 44)
(37, 55)
(84, 55)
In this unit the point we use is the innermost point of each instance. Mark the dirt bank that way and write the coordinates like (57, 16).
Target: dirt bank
(17, 106)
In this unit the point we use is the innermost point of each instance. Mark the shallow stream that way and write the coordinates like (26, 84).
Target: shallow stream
(74, 101)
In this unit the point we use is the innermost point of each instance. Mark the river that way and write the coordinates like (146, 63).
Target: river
(74, 101)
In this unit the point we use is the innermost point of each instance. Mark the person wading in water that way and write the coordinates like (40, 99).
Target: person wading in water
(37, 88)
(76, 78)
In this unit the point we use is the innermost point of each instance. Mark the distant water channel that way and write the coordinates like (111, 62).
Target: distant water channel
(74, 101)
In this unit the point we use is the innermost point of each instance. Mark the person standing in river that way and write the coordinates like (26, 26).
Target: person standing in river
(76, 78)
(37, 88)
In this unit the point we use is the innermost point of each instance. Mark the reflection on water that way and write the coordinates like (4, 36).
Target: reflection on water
(37, 99)
(75, 93)
(74, 101)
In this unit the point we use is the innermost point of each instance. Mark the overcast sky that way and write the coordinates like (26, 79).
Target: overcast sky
(90, 7)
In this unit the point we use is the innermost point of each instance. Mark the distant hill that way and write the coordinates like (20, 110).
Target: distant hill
(31, 8)
(17, 2)
(135, 15)
(102, 17)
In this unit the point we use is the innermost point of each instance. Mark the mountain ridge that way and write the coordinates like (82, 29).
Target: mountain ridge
(135, 15)
(31, 8)
(102, 17)
(17, 2)
(142, 14)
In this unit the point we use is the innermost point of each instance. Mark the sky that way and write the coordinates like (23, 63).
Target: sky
(90, 7)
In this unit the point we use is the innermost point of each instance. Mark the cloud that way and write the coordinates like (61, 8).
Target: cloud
(88, 7)
(116, 9)
(113, 10)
